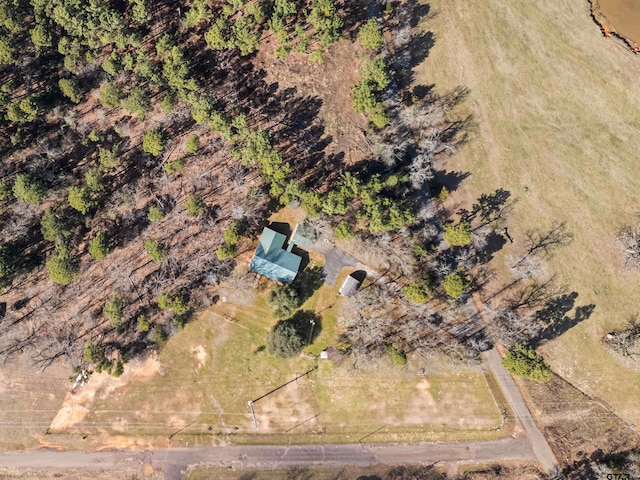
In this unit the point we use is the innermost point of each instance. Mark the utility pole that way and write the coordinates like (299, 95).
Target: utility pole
(255, 422)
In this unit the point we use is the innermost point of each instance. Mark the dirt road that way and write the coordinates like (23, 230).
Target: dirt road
(173, 461)
(540, 446)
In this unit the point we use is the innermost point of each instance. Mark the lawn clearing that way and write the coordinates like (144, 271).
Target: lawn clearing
(197, 393)
(557, 111)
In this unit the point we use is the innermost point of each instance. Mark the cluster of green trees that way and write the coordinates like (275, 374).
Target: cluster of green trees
(523, 361)
(241, 25)
(375, 200)
(375, 76)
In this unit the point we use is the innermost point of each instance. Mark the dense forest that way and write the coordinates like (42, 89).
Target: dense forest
(143, 149)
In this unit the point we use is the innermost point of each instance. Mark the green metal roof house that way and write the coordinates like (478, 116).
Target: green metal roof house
(272, 261)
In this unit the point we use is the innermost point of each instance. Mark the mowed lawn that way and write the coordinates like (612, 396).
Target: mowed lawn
(218, 363)
(557, 123)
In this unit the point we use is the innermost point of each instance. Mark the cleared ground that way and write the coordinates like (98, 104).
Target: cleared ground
(196, 392)
(557, 115)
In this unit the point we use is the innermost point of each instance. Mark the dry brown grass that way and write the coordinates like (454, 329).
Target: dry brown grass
(557, 108)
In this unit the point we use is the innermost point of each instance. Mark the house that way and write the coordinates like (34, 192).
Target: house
(272, 261)
(349, 286)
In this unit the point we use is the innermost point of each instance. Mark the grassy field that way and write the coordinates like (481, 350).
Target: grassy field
(196, 391)
(557, 115)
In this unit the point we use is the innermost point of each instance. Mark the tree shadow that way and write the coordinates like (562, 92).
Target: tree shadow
(495, 242)
(555, 318)
(308, 325)
(489, 208)
(307, 282)
(450, 180)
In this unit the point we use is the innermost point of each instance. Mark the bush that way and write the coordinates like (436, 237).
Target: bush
(233, 233)
(195, 205)
(70, 89)
(178, 304)
(284, 340)
(456, 283)
(118, 368)
(93, 353)
(110, 95)
(54, 227)
(284, 300)
(108, 158)
(137, 103)
(28, 188)
(155, 214)
(416, 292)
(94, 179)
(192, 144)
(155, 250)
(143, 323)
(377, 73)
(154, 141)
(344, 231)
(99, 246)
(62, 268)
(174, 166)
(225, 251)
(398, 356)
(80, 199)
(458, 235)
(370, 35)
(114, 309)
(523, 361)
(168, 103)
(160, 335)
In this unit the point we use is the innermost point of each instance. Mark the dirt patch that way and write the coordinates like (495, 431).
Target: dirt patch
(290, 409)
(576, 426)
(330, 83)
(78, 404)
(201, 356)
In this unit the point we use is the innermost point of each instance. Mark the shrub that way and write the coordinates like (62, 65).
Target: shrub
(168, 103)
(110, 95)
(99, 246)
(70, 89)
(54, 226)
(233, 233)
(160, 335)
(28, 188)
(458, 235)
(114, 309)
(284, 340)
(398, 356)
(108, 158)
(174, 166)
(523, 361)
(456, 283)
(416, 292)
(155, 250)
(376, 72)
(155, 214)
(118, 368)
(80, 199)
(154, 141)
(137, 103)
(344, 231)
(195, 205)
(317, 56)
(179, 304)
(284, 300)
(62, 268)
(93, 353)
(225, 251)
(143, 323)
(94, 179)
(192, 144)
(370, 35)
